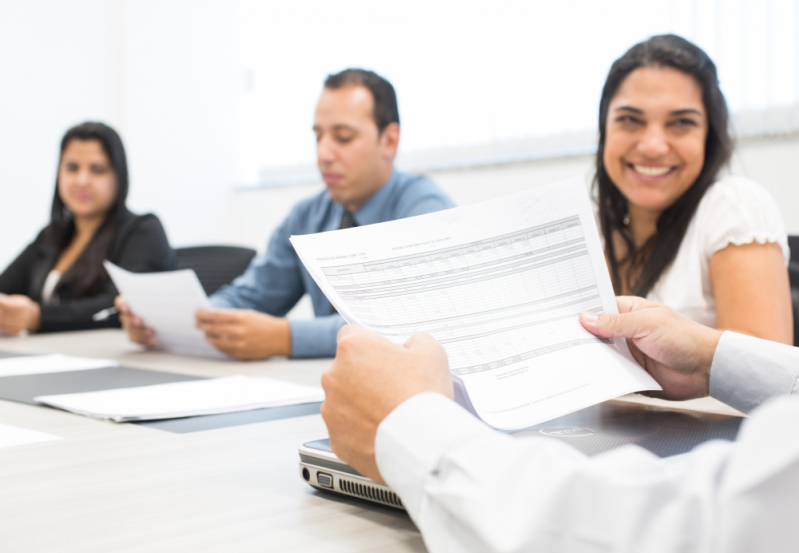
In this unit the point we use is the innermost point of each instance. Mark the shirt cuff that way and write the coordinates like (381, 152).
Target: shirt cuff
(746, 371)
(315, 337)
(413, 438)
(219, 301)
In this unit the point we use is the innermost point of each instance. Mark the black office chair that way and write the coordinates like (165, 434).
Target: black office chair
(215, 265)
(793, 275)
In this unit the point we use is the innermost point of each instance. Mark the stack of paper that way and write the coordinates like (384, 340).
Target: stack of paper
(186, 399)
(38, 364)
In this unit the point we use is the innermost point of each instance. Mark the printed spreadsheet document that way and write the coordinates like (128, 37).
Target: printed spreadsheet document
(500, 286)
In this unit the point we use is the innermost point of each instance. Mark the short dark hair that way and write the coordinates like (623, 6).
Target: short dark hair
(649, 260)
(385, 99)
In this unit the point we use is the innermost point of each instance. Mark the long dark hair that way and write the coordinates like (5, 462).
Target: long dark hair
(87, 276)
(652, 258)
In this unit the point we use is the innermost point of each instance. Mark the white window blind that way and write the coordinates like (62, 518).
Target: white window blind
(477, 73)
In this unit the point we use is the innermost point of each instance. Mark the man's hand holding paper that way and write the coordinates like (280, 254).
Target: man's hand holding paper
(238, 333)
(159, 309)
(369, 378)
(677, 352)
(245, 334)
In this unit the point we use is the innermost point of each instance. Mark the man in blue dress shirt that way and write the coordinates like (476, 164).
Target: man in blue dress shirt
(357, 133)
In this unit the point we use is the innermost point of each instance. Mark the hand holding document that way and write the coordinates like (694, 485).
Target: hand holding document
(186, 399)
(167, 302)
(500, 285)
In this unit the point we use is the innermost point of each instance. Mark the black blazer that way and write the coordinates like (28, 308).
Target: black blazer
(140, 246)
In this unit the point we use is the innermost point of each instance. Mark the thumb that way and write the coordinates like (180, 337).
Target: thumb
(605, 325)
(122, 305)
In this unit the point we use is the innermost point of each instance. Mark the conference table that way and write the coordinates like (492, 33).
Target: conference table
(129, 488)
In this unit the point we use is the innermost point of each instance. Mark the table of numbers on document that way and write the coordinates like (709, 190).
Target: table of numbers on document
(490, 303)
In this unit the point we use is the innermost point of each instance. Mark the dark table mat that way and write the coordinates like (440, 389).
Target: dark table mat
(212, 422)
(664, 431)
(23, 388)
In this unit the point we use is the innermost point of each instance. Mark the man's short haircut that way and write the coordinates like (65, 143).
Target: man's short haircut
(385, 99)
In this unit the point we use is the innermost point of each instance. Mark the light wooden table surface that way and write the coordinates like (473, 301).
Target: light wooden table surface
(110, 487)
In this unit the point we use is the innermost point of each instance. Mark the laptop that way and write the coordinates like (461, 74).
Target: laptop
(665, 431)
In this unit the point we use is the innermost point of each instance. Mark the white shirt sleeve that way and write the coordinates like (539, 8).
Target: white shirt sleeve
(747, 371)
(470, 488)
(737, 211)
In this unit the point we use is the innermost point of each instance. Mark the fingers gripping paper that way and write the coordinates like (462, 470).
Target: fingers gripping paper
(500, 285)
(167, 302)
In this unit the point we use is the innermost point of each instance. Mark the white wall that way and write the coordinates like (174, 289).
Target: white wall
(180, 86)
(57, 70)
(774, 163)
(163, 73)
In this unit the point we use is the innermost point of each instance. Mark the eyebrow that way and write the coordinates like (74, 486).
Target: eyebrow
(685, 111)
(339, 127)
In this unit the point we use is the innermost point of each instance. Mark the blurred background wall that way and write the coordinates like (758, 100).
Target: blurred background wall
(214, 99)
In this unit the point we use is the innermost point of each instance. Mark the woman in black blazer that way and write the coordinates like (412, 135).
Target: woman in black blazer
(58, 283)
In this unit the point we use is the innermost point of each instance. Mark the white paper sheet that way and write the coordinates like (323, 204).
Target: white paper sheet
(186, 399)
(12, 435)
(55, 363)
(167, 303)
(500, 285)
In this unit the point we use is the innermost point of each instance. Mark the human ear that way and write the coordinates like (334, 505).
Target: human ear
(389, 140)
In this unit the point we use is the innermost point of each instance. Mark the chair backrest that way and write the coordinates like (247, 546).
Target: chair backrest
(793, 275)
(215, 265)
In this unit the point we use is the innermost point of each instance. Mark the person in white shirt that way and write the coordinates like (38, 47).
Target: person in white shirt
(712, 247)
(390, 415)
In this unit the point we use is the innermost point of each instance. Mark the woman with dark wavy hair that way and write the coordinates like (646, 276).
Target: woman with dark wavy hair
(58, 283)
(712, 247)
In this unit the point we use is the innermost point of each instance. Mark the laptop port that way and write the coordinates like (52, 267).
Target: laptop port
(325, 480)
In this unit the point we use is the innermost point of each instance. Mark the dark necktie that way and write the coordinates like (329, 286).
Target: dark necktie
(347, 220)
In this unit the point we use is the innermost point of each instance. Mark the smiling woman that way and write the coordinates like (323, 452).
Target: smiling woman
(58, 282)
(714, 249)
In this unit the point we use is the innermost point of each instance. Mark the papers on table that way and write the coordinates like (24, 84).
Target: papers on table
(11, 436)
(38, 364)
(167, 303)
(185, 399)
(500, 285)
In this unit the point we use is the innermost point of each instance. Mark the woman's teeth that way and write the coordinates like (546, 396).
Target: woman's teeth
(651, 171)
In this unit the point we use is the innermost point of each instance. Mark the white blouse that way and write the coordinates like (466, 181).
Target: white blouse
(734, 210)
(49, 287)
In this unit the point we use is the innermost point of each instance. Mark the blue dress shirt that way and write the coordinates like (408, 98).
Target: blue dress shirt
(275, 282)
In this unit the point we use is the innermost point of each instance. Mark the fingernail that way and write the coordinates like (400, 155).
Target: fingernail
(590, 316)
